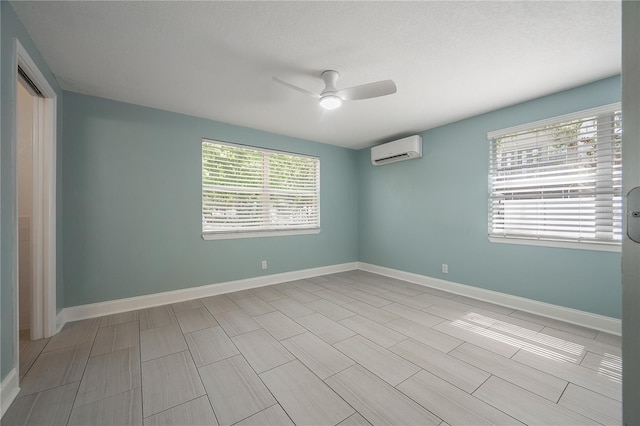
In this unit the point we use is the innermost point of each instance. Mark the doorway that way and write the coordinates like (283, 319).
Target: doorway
(34, 160)
(26, 102)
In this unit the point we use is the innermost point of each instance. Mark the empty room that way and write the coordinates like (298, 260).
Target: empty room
(320, 213)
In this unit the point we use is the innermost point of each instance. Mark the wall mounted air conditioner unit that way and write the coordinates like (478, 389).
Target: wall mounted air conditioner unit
(400, 150)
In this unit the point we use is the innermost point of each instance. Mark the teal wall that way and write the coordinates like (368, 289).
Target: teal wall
(131, 198)
(417, 215)
(11, 28)
(131, 183)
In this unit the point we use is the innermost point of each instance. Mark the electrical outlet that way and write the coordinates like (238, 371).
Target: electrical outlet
(445, 268)
(264, 264)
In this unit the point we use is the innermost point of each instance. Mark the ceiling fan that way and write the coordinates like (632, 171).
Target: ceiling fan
(331, 97)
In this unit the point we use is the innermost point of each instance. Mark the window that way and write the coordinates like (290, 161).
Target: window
(558, 182)
(249, 192)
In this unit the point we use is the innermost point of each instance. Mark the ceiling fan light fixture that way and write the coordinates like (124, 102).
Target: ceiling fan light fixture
(330, 102)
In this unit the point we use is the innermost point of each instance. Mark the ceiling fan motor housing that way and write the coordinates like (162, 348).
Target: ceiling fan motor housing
(330, 79)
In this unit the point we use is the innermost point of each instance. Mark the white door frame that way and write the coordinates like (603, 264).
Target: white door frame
(631, 179)
(43, 236)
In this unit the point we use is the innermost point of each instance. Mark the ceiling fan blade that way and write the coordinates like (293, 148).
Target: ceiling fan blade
(370, 90)
(296, 88)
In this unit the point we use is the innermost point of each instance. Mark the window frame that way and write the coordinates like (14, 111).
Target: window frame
(610, 246)
(253, 233)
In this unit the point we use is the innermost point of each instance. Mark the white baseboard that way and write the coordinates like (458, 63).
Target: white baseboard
(9, 390)
(93, 310)
(60, 320)
(573, 316)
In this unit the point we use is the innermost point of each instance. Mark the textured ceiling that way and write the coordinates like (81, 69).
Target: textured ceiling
(449, 60)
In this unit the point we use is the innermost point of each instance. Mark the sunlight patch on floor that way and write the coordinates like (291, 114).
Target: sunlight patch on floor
(611, 366)
(558, 349)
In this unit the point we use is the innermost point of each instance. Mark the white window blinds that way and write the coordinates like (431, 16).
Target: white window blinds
(559, 179)
(256, 190)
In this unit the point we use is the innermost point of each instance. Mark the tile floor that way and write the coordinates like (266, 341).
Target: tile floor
(351, 349)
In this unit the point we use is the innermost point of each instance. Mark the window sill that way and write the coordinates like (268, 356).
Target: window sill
(558, 244)
(257, 234)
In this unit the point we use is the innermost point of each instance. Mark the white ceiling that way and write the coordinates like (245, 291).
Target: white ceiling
(449, 60)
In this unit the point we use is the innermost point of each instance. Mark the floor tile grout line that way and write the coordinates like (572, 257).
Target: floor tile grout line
(172, 353)
(34, 359)
(319, 378)
(240, 334)
(175, 406)
(264, 409)
(558, 377)
(206, 394)
(420, 369)
(75, 396)
(599, 355)
(453, 349)
(381, 379)
(522, 342)
(338, 372)
(502, 411)
(532, 340)
(562, 393)
(521, 364)
(552, 327)
(375, 374)
(565, 331)
(515, 353)
(310, 331)
(260, 378)
(435, 315)
(480, 385)
(437, 375)
(84, 370)
(418, 324)
(415, 401)
(254, 371)
(222, 295)
(536, 395)
(280, 340)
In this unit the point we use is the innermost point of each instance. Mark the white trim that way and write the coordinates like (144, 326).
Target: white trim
(37, 309)
(9, 389)
(44, 211)
(257, 148)
(49, 112)
(93, 310)
(605, 109)
(558, 244)
(573, 316)
(232, 235)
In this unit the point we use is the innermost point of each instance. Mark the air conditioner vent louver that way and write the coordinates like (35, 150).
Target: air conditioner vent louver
(399, 150)
(392, 158)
